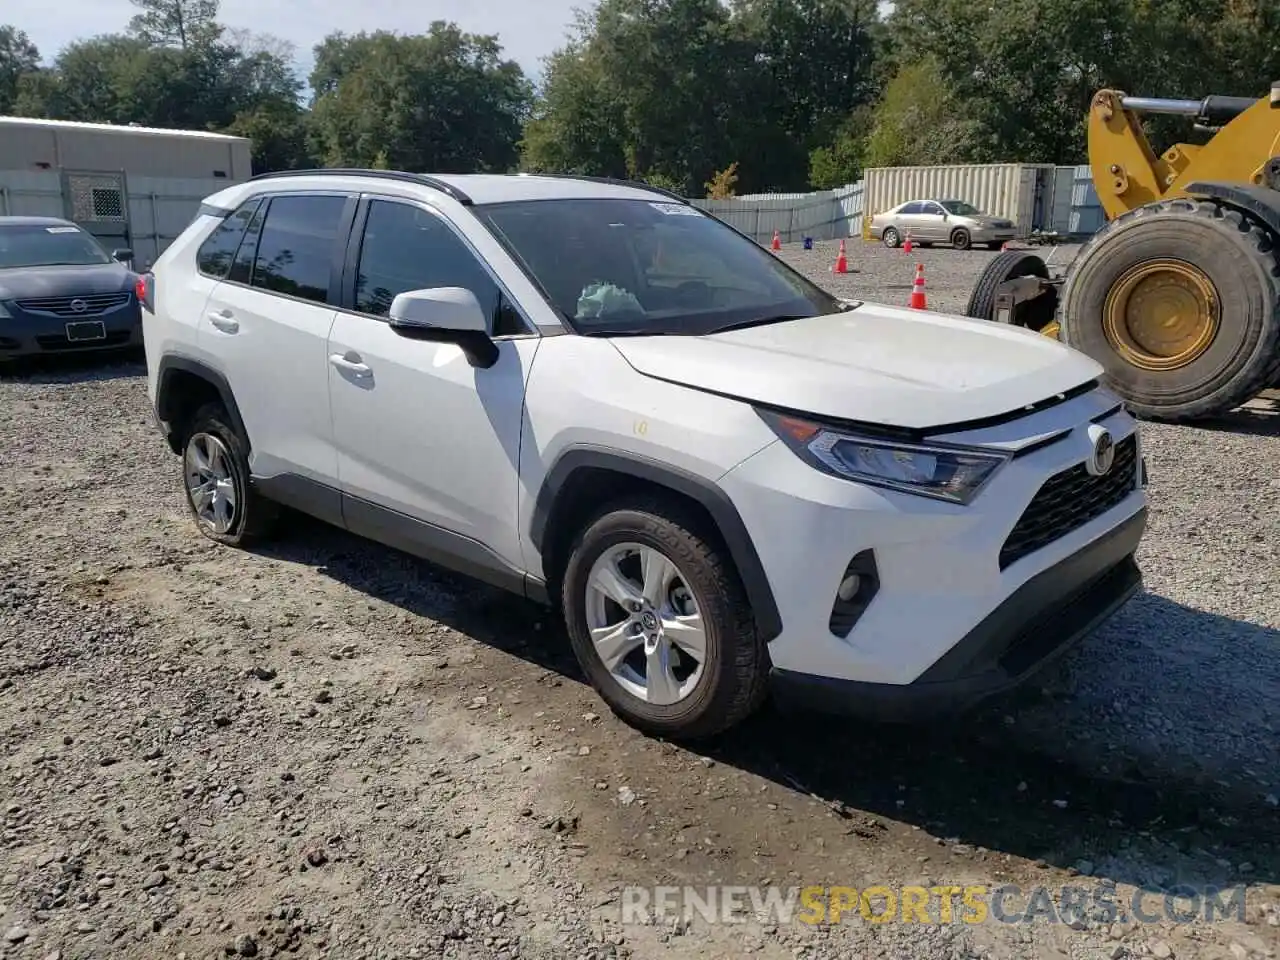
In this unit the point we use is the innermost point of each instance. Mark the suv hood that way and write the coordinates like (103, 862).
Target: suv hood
(875, 364)
(20, 283)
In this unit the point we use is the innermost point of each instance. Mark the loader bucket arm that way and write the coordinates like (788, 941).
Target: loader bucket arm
(1127, 172)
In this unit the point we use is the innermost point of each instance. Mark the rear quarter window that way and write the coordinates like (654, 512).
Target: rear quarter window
(216, 254)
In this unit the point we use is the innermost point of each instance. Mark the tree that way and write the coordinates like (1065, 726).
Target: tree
(179, 23)
(918, 121)
(721, 186)
(18, 58)
(681, 88)
(444, 101)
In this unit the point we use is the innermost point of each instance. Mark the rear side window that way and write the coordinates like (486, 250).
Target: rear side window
(214, 257)
(912, 208)
(296, 248)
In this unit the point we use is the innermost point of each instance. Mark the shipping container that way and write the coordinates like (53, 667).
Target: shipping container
(131, 187)
(1021, 192)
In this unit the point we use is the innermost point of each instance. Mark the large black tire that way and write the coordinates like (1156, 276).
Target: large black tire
(253, 517)
(1238, 257)
(1009, 265)
(736, 666)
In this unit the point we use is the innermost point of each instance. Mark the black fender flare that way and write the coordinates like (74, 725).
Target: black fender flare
(1260, 203)
(165, 401)
(713, 499)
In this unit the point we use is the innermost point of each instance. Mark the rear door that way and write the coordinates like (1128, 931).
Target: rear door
(268, 324)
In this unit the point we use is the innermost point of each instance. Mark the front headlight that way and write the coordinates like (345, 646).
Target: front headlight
(954, 474)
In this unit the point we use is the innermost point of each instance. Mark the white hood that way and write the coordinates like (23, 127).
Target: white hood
(875, 364)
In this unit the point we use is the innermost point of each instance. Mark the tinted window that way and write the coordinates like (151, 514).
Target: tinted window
(406, 248)
(215, 254)
(242, 266)
(623, 266)
(934, 209)
(911, 208)
(296, 248)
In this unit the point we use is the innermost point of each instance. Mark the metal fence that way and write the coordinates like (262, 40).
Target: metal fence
(822, 215)
(1072, 209)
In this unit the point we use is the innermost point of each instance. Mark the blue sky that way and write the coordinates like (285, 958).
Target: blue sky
(528, 29)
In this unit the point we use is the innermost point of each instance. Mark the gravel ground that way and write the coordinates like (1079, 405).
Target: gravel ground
(326, 749)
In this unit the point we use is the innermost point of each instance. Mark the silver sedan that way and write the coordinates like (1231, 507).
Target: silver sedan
(941, 221)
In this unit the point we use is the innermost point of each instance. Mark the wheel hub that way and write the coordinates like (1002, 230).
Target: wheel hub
(1162, 315)
(646, 626)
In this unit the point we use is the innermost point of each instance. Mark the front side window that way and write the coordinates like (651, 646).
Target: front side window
(296, 249)
(405, 248)
(214, 257)
(959, 208)
(616, 266)
(48, 245)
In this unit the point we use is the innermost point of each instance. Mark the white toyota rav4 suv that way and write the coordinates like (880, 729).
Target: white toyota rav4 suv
(597, 396)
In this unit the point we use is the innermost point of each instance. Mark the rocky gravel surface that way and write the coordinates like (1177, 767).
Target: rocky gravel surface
(326, 749)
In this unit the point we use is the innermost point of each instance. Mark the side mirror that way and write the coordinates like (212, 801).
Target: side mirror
(448, 314)
(122, 256)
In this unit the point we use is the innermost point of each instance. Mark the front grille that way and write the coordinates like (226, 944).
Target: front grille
(1069, 500)
(95, 304)
(115, 339)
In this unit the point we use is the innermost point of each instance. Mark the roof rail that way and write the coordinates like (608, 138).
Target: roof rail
(419, 178)
(617, 182)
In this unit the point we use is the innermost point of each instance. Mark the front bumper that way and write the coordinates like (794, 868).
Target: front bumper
(1035, 626)
(953, 588)
(27, 334)
(992, 234)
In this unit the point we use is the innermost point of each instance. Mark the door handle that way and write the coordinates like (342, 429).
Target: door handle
(225, 322)
(353, 367)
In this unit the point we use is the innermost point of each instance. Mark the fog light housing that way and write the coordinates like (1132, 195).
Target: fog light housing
(858, 586)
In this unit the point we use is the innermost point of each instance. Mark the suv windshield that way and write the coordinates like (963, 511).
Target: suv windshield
(615, 266)
(960, 208)
(48, 245)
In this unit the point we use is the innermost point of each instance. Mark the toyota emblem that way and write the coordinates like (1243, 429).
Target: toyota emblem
(1104, 451)
(79, 306)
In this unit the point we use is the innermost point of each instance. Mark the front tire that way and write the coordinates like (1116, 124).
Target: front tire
(660, 622)
(960, 239)
(1178, 302)
(215, 471)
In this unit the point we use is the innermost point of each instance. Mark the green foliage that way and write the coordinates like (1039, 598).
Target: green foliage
(918, 121)
(445, 101)
(675, 92)
(19, 58)
(178, 23)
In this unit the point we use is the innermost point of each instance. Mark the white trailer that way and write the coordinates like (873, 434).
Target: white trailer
(132, 187)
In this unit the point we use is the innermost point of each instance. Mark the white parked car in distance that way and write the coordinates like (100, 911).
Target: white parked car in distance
(595, 395)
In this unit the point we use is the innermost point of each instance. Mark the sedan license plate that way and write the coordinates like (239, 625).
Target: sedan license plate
(86, 330)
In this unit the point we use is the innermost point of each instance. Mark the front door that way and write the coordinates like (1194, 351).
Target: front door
(428, 445)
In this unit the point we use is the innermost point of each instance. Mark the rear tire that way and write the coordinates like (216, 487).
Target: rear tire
(701, 698)
(960, 239)
(1233, 254)
(215, 469)
(1032, 314)
(891, 238)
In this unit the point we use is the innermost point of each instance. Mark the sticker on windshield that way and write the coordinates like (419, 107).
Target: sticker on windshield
(63, 229)
(675, 209)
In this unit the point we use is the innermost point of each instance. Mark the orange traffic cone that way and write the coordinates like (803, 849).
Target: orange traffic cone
(777, 241)
(918, 301)
(842, 265)
(907, 247)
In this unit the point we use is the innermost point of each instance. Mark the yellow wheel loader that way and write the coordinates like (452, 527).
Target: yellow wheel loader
(1178, 295)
